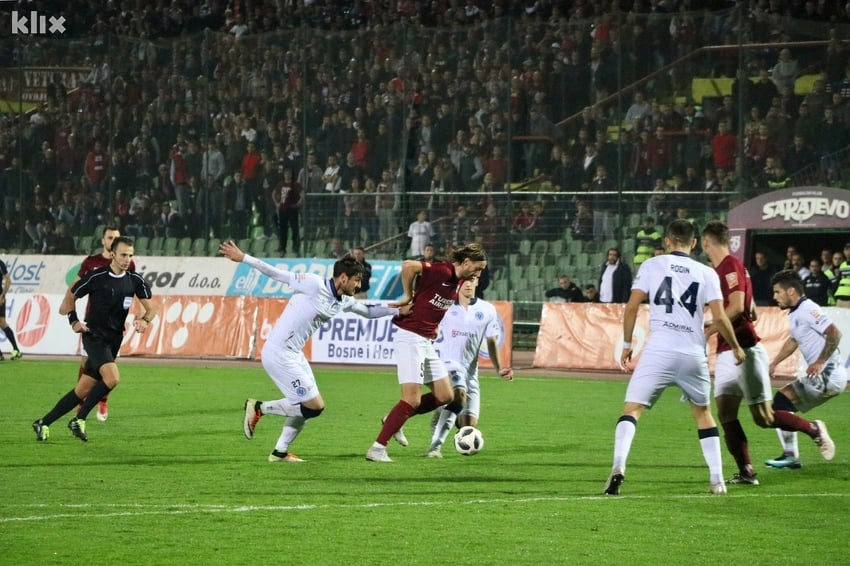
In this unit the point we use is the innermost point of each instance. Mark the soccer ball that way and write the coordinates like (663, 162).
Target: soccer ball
(468, 440)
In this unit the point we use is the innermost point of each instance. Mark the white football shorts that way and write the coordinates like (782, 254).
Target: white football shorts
(417, 358)
(292, 374)
(750, 380)
(658, 370)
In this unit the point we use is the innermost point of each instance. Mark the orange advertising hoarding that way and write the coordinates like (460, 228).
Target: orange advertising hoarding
(238, 326)
(590, 336)
(206, 326)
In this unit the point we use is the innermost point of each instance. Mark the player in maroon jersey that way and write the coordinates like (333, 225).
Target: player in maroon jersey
(749, 381)
(418, 363)
(102, 259)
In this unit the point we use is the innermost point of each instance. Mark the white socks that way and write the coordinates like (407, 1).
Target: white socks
(444, 426)
(291, 428)
(624, 433)
(788, 439)
(281, 408)
(712, 454)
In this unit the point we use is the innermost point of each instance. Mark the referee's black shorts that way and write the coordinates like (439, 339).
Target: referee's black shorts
(100, 351)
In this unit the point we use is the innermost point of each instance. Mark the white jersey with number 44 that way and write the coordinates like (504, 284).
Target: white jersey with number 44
(678, 288)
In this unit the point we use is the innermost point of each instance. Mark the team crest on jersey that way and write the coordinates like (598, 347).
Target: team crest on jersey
(735, 243)
(815, 314)
(479, 315)
(732, 280)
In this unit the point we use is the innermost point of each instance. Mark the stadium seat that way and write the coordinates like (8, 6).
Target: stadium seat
(516, 277)
(526, 295)
(320, 248)
(141, 245)
(244, 244)
(272, 247)
(575, 247)
(184, 247)
(257, 248)
(199, 247)
(581, 260)
(84, 246)
(98, 231)
(556, 248)
(538, 251)
(499, 290)
(155, 246)
(212, 247)
(169, 247)
(532, 274)
(549, 274)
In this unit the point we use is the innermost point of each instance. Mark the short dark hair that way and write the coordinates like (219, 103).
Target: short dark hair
(349, 265)
(110, 228)
(717, 231)
(788, 279)
(680, 231)
(121, 240)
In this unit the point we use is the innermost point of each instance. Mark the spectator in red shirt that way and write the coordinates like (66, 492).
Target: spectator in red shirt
(360, 150)
(724, 146)
(659, 154)
(95, 168)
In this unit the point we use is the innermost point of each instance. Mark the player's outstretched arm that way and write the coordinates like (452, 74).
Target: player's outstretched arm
(231, 251)
(367, 310)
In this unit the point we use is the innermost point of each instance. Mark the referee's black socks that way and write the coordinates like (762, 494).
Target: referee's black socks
(98, 392)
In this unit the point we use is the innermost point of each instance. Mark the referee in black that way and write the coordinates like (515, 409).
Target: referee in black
(110, 290)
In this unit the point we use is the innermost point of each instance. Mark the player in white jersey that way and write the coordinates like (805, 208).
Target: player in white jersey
(677, 288)
(824, 378)
(465, 326)
(314, 302)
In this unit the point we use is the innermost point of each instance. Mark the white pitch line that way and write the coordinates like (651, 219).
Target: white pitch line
(139, 510)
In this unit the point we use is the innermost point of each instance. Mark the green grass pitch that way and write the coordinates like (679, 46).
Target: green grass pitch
(170, 479)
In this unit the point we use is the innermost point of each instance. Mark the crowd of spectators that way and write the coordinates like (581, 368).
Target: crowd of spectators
(193, 112)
